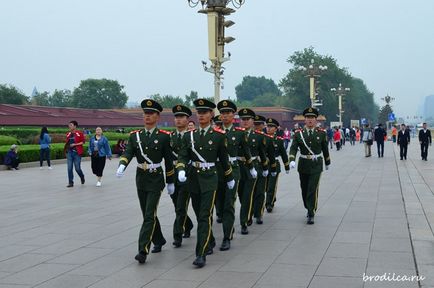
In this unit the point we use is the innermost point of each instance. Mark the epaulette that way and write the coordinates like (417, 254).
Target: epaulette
(260, 132)
(219, 130)
(299, 130)
(280, 138)
(132, 132)
(194, 129)
(165, 132)
(269, 136)
(320, 129)
(240, 128)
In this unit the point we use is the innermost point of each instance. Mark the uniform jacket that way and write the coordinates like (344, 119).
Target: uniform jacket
(317, 143)
(261, 145)
(79, 137)
(279, 151)
(403, 137)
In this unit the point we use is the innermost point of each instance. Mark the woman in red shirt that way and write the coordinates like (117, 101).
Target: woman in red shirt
(337, 138)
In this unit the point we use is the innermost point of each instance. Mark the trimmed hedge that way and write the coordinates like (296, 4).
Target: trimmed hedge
(8, 140)
(30, 153)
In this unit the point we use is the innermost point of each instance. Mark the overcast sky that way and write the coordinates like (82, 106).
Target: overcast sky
(157, 46)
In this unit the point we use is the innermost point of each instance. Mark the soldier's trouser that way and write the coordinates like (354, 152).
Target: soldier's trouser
(259, 196)
(309, 190)
(220, 196)
(203, 185)
(228, 211)
(181, 199)
(246, 189)
(271, 189)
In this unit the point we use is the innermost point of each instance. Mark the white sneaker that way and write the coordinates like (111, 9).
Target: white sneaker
(98, 184)
(50, 168)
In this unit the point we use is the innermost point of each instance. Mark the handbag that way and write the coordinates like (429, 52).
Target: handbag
(370, 142)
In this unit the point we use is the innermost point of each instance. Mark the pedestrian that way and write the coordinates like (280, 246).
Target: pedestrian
(99, 150)
(403, 141)
(379, 134)
(203, 147)
(44, 145)
(11, 158)
(367, 139)
(312, 143)
(353, 136)
(119, 147)
(286, 138)
(238, 150)
(337, 139)
(394, 133)
(182, 225)
(150, 146)
(330, 138)
(74, 150)
(191, 125)
(279, 151)
(424, 140)
(358, 135)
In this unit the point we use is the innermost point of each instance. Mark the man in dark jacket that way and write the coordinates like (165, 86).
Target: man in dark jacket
(424, 140)
(403, 141)
(379, 134)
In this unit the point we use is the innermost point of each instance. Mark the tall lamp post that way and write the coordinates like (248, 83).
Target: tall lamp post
(340, 92)
(313, 72)
(216, 10)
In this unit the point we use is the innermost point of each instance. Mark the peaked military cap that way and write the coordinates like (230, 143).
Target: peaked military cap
(151, 105)
(226, 105)
(181, 110)
(246, 113)
(217, 119)
(310, 112)
(260, 118)
(272, 122)
(204, 104)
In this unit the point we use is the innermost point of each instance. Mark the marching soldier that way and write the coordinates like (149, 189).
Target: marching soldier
(261, 184)
(246, 189)
(237, 145)
(149, 146)
(312, 143)
(181, 197)
(279, 150)
(203, 147)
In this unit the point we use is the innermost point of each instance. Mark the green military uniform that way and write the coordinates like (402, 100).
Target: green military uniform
(203, 147)
(279, 150)
(181, 196)
(261, 183)
(237, 147)
(310, 164)
(150, 148)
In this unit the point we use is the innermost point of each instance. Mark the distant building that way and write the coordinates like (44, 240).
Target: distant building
(428, 109)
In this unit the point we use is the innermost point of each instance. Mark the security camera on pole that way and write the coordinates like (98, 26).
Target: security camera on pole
(216, 11)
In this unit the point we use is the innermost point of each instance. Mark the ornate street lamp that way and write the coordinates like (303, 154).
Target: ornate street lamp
(216, 10)
(340, 92)
(313, 72)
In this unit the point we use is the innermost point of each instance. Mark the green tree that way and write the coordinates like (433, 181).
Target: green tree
(190, 98)
(99, 94)
(41, 99)
(383, 115)
(11, 95)
(253, 87)
(61, 98)
(168, 101)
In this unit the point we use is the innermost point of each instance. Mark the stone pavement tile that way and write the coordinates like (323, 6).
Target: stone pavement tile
(421, 234)
(186, 271)
(80, 256)
(266, 247)
(352, 237)
(103, 266)
(4, 274)
(284, 275)
(303, 255)
(347, 226)
(169, 259)
(117, 241)
(349, 267)
(391, 245)
(61, 247)
(23, 261)
(428, 272)
(172, 284)
(37, 274)
(424, 252)
(68, 281)
(44, 240)
(249, 263)
(231, 280)
(279, 235)
(391, 274)
(336, 282)
(14, 286)
(12, 251)
(349, 250)
(133, 276)
(391, 260)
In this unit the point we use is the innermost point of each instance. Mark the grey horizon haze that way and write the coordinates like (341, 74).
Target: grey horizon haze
(157, 46)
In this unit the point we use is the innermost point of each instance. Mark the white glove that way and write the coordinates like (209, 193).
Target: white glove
(273, 174)
(287, 171)
(121, 170)
(327, 167)
(170, 188)
(253, 172)
(292, 164)
(231, 184)
(181, 176)
(265, 173)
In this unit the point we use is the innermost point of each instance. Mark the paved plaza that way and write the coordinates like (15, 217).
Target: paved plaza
(375, 216)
